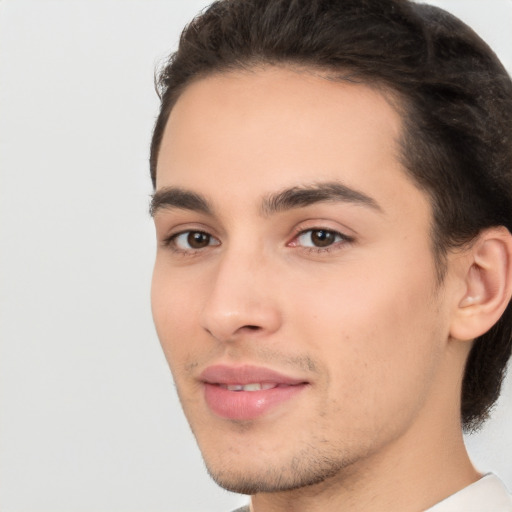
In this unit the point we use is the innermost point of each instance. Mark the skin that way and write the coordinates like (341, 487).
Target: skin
(363, 320)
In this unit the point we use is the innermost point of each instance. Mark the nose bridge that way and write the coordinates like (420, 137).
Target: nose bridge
(240, 297)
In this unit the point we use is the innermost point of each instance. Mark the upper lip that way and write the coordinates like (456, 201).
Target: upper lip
(247, 374)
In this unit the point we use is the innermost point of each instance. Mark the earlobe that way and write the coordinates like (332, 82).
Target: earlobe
(488, 284)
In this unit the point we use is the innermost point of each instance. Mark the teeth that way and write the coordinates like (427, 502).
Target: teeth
(252, 387)
(235, 387)
(257, 386)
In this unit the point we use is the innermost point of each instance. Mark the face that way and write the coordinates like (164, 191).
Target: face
(294, 289)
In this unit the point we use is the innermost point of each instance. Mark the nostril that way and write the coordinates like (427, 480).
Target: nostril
(252, 327)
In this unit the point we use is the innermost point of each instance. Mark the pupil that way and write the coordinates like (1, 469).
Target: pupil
(322, 238)
(197, 240)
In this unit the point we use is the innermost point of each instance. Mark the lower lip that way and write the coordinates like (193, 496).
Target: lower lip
(247, 405)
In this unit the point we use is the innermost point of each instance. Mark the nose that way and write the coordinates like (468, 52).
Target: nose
(241, 302)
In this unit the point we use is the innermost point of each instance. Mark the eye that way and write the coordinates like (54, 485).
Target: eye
(319, 238)
(192, 240)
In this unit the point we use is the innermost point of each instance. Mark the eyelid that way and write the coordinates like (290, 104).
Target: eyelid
(166, 228)
(324, 224)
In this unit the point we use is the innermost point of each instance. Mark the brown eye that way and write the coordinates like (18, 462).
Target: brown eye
(319, 238)
(198, 240)
(322, 238)
(193, 240)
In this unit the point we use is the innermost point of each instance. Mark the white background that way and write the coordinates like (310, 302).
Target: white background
(89, 418)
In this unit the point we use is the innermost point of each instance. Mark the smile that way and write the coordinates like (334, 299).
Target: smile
(247, 392)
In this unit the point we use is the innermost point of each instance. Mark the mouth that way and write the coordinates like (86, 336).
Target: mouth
(247, 392)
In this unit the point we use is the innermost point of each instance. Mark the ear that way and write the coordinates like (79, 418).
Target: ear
(487, 286)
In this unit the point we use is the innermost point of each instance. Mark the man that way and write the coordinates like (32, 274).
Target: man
(333, 207)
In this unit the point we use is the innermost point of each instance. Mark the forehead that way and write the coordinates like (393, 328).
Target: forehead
(261, 130)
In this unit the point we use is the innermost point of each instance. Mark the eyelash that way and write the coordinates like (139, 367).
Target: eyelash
(340, 239)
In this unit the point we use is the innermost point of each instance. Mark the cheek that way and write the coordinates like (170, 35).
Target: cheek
(172, 305)
(378, 330)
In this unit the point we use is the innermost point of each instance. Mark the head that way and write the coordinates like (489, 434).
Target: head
(421, 110)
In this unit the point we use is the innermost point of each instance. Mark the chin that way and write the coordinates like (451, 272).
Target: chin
(260, 476)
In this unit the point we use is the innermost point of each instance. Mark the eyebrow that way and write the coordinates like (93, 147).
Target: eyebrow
(176, 197)
(301, 196)
(288, 199)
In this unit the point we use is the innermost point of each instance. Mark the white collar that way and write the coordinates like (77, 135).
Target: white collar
(486, 495)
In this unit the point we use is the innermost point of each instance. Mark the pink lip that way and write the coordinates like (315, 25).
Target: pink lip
(246, 405)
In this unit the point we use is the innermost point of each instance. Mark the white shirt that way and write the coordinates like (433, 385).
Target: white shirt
(486, 495)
